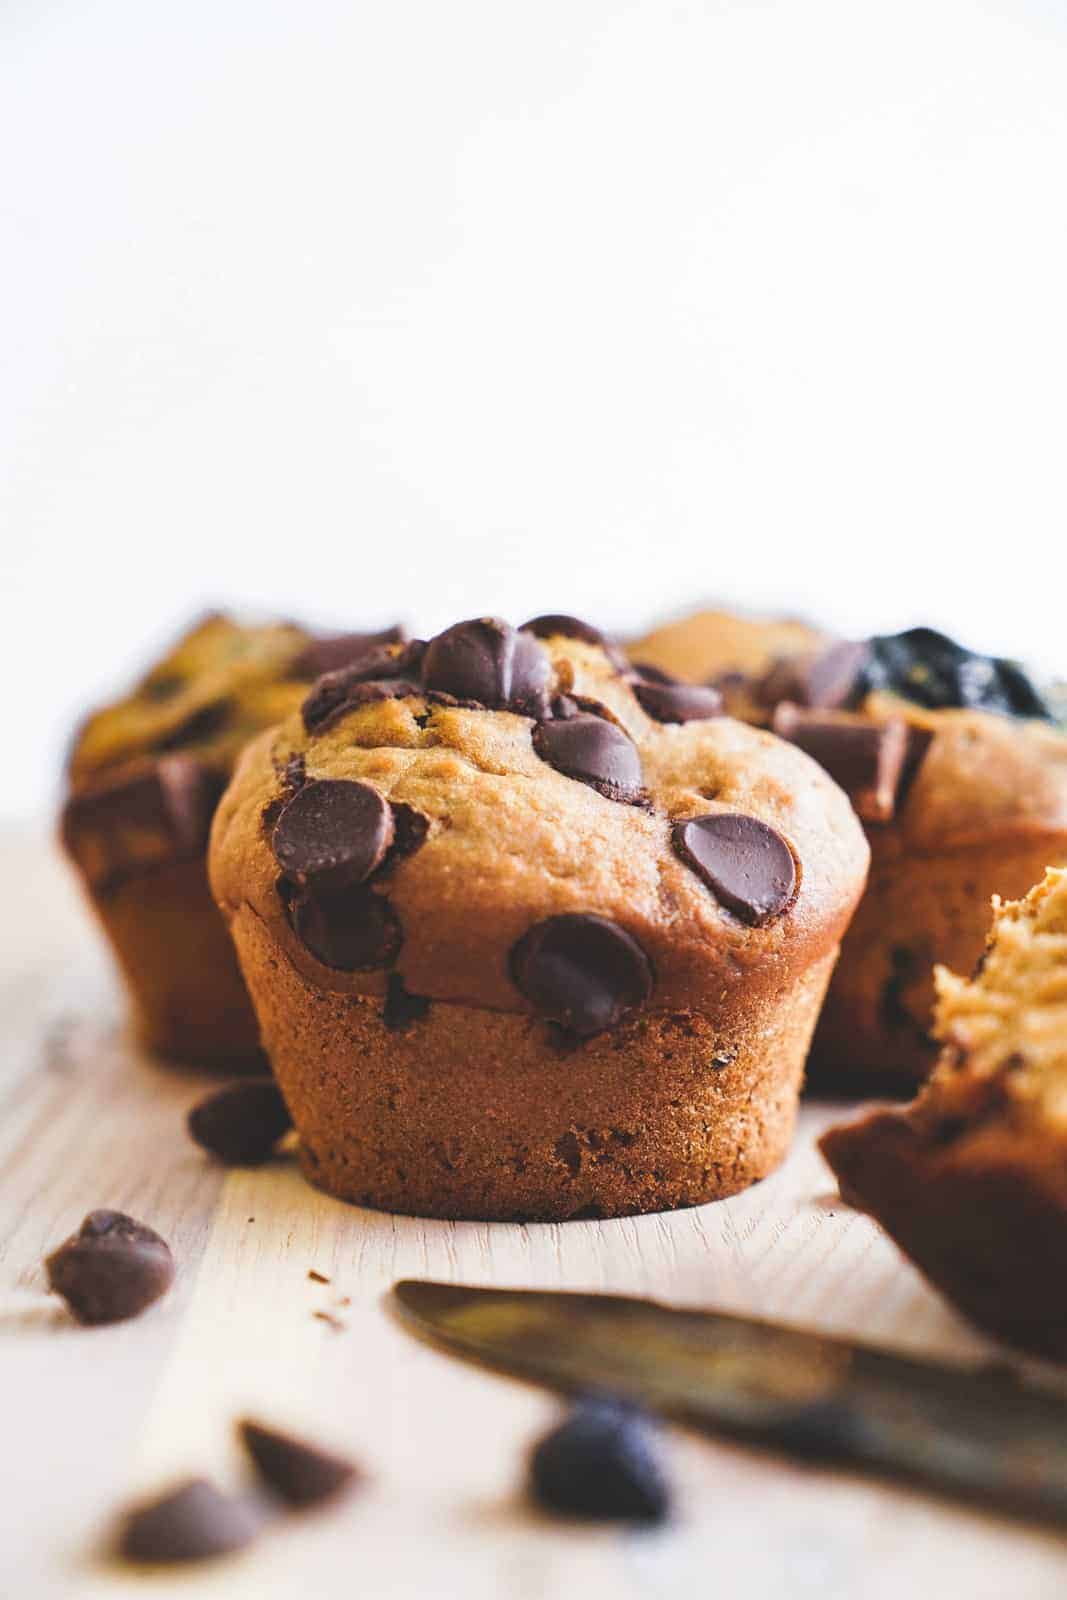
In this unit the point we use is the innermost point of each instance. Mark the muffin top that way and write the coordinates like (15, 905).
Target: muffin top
(952, 747)
(146, 772)
(520, 820)
(709, 645)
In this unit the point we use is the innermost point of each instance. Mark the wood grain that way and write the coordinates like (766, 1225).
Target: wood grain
(93, 1417)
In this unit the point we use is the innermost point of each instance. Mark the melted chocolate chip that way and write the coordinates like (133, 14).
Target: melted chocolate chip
(300, 1474)
(381, 672)
(601, 1462)
(410, 829)
(241, 1124)
(332, 651)
(746, 864)
(333, 834)
(593, 751)
(402, 1010)
(865, 757)
(668, 700)
(486, 662)
(581, 971)
(111, 1269)
(352, 931)
(193, 1522)
(552, 626)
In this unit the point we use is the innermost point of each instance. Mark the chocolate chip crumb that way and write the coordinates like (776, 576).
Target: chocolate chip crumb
(242, 1123)
(300, 1474)
(317, 1277)
(113, 1268)
(330, 1320)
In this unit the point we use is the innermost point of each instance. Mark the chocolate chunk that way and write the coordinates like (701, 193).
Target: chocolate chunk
(865, 757)
(559, 625)
(192, 1522)
(382, 672)
(486, 662)
(825, 680)
(198, 726)
(410, 829)
(746, 864)
(402, 1010)
(111, 1269)
(668, 700)
(601, 1462)
(333, 834)
(242, 1123)
(332, 651)
(581, 971)
(351, 932)
(932, 669)
(298, 1473)
(134, 820)
(593, 751)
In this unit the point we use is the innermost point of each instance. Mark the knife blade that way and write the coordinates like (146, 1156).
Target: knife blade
(972, 1432)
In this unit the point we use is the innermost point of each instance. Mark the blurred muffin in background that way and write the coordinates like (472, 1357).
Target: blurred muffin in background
(957, 765)
(144, 777)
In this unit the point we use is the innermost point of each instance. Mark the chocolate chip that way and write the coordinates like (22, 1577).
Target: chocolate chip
(333, 834)
(601, 1462)
(668, 700)
(593, 751)
(559, 625)
(111, 1269)
(581, 971)
(198, 726)
(298, 1473)
(486, 662)
(352, 931)
(134, 820)
(192, 1522)
(410, 829)
(746, 864)
(242, 1123)
(402, 1010)
(824, 680)
(865, 757)
(332, 651)
(382, 672)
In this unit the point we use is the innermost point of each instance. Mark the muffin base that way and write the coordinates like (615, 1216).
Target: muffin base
(983, 1217)
(189, 1000)
(487, 1115)
(873, 1034)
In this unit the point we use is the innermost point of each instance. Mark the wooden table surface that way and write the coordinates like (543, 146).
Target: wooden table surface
(94, 1417)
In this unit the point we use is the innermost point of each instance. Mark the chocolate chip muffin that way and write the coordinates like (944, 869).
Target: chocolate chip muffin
(530, 935)
(971, 1180)
(957, 766)
(145, 775)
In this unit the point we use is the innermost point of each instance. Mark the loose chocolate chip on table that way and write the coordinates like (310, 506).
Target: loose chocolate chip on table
(351, 932)
(593, 751)
(333, 834)
(332, 651)
(581, 971)
(242, 1123)
(865, 757)
(489, 663)
(192, 1522)
(667, 700)
(746, 864)
(602, 1463)
(111, 1269)
(298, 1473)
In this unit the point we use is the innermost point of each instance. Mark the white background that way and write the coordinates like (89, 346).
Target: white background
(434, 307)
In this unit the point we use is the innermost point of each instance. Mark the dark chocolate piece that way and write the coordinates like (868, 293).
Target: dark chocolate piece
(193, 1522)
(331, 651)
(667, 699)
(581, 971)
(595, 751)
(382, 672)
(746, 864)
(242, 1123)
(823, 680)
(352, 931)
(865, 757)
(601, 1462)
(559, 625)
(402, 1009)
(487, 662)
(333, 834)
(298, 1473)
(133, 821)
(111, 1269)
